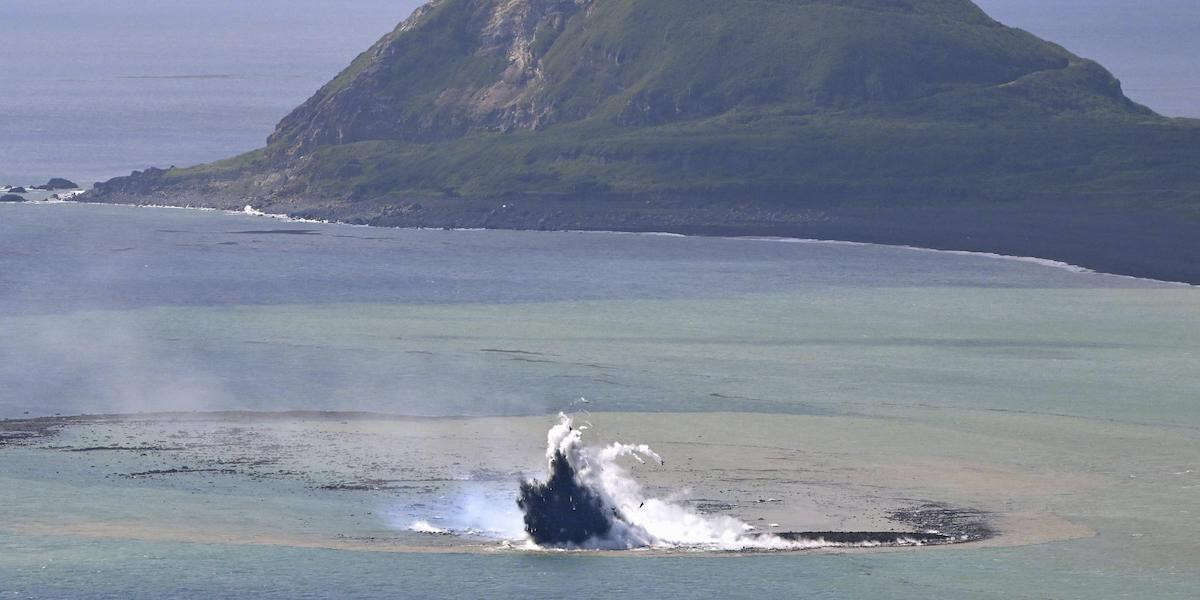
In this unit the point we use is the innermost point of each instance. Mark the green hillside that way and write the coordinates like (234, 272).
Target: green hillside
(734, 116)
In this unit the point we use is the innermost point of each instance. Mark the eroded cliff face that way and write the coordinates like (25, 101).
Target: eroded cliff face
(457, 67)
(486, 55)
(521, 31)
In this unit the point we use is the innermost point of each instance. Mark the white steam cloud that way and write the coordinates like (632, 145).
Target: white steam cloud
(648, 521)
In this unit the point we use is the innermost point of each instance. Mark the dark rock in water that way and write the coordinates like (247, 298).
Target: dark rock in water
(961, 523)
(11, 198)
(18, 190)
(561, 510)
(57, 183)
(885, 538)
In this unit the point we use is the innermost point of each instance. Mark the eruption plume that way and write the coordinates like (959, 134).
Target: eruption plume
(561, 510)
(590, 501)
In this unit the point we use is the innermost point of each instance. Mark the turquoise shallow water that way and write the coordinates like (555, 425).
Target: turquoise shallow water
(1035, 368)
(112, 308)
(147, 570)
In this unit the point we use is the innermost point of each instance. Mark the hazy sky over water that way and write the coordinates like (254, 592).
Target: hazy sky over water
(1152, 46)
(92, 89)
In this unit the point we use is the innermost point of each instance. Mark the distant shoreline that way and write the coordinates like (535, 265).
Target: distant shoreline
(766, 233)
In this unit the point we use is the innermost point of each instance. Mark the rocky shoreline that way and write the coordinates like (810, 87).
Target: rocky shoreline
(20, 193)
(1153, 245)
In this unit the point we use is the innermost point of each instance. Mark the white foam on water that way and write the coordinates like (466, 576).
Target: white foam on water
(250, 210)
(425, 527)
(1043, 262)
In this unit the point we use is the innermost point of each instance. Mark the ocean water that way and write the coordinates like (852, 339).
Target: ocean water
(93, 89)
(115, 308)
(1012, 376)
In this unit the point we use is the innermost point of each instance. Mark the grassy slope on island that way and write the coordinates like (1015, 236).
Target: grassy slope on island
(738, 116)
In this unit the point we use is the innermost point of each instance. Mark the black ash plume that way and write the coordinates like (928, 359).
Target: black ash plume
(562, 510)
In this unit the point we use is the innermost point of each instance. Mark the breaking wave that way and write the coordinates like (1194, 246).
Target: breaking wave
(254, 212)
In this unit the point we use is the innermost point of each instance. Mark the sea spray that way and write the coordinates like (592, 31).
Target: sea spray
(590, 501)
